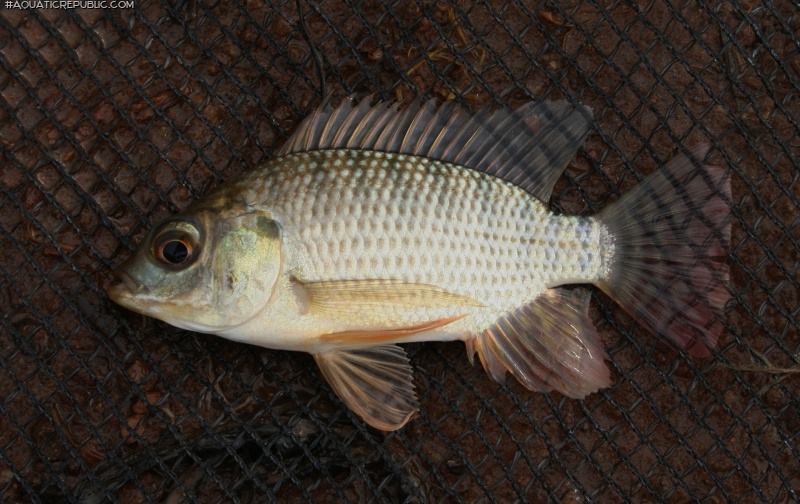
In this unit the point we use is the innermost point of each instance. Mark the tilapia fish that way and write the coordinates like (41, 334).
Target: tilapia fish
(378, 225)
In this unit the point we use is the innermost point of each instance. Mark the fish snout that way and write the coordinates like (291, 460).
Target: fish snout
(126, 285)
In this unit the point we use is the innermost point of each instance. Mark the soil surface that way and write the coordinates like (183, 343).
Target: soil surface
(111, 120)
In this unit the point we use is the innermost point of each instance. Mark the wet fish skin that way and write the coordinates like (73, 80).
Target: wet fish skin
(377, 225)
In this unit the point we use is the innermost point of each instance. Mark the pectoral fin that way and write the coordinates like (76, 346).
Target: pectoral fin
(374, 382)
(338, 296)
(381, 335)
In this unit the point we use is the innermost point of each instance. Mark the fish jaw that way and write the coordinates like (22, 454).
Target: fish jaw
(135, 297)
(123, 296)
(132, 294)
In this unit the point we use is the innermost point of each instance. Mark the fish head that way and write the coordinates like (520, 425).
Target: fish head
(206, 270)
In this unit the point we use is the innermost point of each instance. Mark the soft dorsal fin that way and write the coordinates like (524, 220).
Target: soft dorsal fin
(529, 147)
(549, 344)
(374, 382)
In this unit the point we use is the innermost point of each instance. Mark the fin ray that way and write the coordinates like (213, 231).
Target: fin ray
(416, 129)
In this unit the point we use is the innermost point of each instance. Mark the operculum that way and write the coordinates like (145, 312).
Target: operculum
(246, 265)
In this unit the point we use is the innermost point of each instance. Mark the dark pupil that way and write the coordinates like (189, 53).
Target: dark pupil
(175, 251)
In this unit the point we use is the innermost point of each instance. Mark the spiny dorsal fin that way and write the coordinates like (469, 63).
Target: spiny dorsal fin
(529, 147)
(549, 344)
(374, 382)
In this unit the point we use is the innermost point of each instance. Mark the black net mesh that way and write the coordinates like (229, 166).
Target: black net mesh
(112, 119)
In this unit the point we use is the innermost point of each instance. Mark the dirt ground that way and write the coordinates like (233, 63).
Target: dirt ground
(111, 120)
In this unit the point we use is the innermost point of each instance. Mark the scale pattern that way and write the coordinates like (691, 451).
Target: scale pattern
(354, 214)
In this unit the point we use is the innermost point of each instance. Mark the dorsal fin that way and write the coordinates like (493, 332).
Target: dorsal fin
(529, 147)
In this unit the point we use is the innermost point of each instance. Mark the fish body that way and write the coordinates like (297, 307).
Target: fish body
(350, 214)
(376, 226)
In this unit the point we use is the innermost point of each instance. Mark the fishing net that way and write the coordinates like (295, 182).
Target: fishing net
(112, 119)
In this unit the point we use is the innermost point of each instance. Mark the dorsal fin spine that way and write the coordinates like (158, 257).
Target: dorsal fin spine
(425, 112)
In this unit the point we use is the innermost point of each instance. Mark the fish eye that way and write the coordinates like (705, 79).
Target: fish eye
(174, 251)
(175, 244)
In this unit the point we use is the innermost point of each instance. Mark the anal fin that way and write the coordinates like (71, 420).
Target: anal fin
(548, 344)
(374, 382)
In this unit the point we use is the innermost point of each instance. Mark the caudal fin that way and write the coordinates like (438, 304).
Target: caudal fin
(664, 233)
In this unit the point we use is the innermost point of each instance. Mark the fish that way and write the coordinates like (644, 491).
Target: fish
(377, 225)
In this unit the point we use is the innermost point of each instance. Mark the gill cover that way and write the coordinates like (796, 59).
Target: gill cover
(245, 265)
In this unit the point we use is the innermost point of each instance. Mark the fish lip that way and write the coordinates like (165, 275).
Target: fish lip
(128, 280)
(126, 287)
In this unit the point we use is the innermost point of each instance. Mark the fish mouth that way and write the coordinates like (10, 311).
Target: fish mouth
(125, 289)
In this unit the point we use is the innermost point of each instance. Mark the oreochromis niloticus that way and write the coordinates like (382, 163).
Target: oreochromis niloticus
(377, 225)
